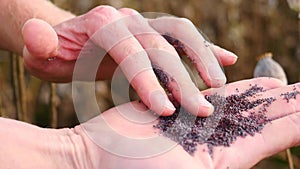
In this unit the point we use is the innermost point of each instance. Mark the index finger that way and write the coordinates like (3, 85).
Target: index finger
(194, 45)
(167, 66)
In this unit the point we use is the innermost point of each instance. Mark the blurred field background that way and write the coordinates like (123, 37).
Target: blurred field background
(248, 28)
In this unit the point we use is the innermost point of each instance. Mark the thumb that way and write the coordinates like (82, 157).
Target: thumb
(40, 39)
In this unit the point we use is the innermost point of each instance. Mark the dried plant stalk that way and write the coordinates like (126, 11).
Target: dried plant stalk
(19, 87)
(290, 158)
(23, 98)
(15, 84)
(53, 105)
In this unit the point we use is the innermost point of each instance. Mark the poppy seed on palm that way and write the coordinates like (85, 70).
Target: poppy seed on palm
(290, 95)
(223, 127)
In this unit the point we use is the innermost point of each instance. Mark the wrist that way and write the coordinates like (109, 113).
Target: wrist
(16, 12)
(52, 14)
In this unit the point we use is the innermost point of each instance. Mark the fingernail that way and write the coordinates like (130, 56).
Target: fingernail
(226, 52)
(199, 106)
(206, 110)
(169, 108)
(160, 103)
(217, 77)
(231, 54)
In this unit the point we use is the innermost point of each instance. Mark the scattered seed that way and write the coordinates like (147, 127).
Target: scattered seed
(175, 43)
(290, 95)
(206, 43)
(223, 127)
(161, 75)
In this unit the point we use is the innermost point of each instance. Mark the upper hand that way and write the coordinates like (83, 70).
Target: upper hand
(135, 44)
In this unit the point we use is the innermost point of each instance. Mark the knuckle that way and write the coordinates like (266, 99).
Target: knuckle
(185, 22)
(103, 9)
(131, 50)
(99, 17)
(182, 24)
(128, 11)
(163, 45)
(102, 13)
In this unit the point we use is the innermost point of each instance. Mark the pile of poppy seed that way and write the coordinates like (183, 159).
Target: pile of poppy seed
(223, 127)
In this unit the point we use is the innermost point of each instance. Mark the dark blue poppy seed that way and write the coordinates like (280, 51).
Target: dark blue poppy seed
(176, 44)
(290, 95)
(223, 127)
(161, 75)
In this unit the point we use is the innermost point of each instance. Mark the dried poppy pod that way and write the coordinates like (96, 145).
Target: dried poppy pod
(267, 67)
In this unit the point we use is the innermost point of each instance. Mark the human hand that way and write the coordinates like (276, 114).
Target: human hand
(281, 133)
(113, 139)
(136, 45)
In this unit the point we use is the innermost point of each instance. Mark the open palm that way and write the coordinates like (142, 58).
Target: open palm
(282, 132)
(124, 137)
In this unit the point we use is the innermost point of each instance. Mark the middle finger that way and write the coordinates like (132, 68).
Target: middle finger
(167, 65)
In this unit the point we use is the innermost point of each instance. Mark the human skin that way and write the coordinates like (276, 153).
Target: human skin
(25, 146)
(50, 40)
